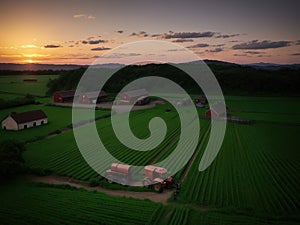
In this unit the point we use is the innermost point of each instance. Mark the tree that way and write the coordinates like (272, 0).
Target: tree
(11, 160)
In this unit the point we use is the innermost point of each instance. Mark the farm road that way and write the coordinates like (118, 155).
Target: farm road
(56, 179)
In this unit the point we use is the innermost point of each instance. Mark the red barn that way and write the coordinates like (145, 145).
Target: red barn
(64, 96)
(92, 97)
(139, 97)
(217, 111)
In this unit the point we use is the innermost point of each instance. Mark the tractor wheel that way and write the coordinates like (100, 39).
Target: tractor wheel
(109, 180)
(146, 183)
(158, 187)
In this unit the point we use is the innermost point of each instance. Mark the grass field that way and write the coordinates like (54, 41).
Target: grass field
(58, 118)
(51, 153)
(15, 85)
(28, 203)
(36, 203)
(250, 172)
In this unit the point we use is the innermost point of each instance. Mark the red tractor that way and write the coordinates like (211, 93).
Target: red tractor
(158, 178)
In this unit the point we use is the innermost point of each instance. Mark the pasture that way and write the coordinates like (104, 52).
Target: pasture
(58, 118)
(14, 85)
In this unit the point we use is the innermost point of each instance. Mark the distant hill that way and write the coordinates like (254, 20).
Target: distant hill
(272, 66)
(36, 66)
(56, 67)
(233, 78)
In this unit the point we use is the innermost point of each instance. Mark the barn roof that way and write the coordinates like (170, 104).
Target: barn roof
(29, 116)
(66, 94)
(136, 93)
(219, 108)
(95, 94)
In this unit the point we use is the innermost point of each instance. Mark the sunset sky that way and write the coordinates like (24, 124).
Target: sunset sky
(77, 31)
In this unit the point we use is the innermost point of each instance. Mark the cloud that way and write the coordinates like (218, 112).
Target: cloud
(181, 40)
(176, 50)
(120, 55)
(120, 31)
(100, 49)
(295, 54)
(239, 54)
(52, 46)
(140, 34)
(84, 16)
(266, 44)
(200, 45)
(254, 52)
(90, 17)
(188, 35)
(155, 35)
(215, 50)
(29, 46)
(93, 42)
(79, 16)
(227, 35)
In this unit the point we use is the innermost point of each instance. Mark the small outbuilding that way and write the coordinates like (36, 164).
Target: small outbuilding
(137, 97)
(218, 110)
(64, 96)
(92, 97)
(20, 121)
(201, 99)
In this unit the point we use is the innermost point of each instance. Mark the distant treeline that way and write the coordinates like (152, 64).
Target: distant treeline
(25, 100)
(233, 79)
(30, 72)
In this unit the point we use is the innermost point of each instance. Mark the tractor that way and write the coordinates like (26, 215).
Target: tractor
(119, 173)
(157, 177)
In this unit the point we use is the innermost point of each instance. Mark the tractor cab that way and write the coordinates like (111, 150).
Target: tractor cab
(158, 176)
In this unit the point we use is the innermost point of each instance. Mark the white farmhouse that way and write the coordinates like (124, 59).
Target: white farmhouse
(20, 121)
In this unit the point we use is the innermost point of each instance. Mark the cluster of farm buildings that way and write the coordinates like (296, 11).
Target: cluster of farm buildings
(24, 120)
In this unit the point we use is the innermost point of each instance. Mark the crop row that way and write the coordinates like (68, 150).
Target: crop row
(250, 172)
(61, 154)
(42, 204)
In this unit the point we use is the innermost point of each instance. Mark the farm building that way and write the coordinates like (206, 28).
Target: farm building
(182, 102)
(218, 110)
(201, 99)
(92, 97)
(139, 97)
(20, 121)
(64, 96)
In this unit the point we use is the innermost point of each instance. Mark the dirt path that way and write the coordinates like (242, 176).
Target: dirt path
(55, 179)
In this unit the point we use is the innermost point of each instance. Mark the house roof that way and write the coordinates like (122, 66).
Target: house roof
(136, 93)
(95, 94)
(29, 116)
(66, 94)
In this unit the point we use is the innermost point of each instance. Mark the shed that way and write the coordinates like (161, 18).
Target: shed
(64, 96)
(218, 110)
(92, 97)
(20, 121)
(201, 99)
(138, 97)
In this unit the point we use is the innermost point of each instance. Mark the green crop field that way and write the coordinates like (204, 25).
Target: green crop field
(58, 118)
(28, 203)
(60, 153)
(16, 84)
(250, 172)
